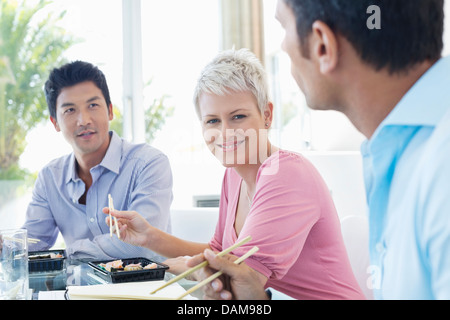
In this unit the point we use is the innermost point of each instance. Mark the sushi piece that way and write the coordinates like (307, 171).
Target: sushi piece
(116, 264)
(151, 266)
(133, 267)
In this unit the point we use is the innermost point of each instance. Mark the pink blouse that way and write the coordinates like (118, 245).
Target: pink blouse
(294, 223)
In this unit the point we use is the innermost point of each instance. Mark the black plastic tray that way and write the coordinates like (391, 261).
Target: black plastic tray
(119, 276)
(45, 264)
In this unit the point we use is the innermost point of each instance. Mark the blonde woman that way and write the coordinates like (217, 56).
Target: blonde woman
(276, 196)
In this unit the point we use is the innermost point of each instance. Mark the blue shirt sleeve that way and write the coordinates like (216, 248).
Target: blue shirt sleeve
(40, 223)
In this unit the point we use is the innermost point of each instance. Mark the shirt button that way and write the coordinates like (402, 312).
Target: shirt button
(92, 219)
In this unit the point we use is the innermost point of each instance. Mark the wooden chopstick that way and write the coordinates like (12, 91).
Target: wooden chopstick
(217, 274)
(110, 216)
(201, 265)
(111, 207)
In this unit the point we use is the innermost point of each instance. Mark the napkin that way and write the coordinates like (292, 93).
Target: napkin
(127, 291)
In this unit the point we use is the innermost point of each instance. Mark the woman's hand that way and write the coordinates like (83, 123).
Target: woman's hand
(134, 229)
(178, 266)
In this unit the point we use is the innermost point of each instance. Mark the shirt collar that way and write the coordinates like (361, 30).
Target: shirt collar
(423, 105)
(71, 171)
(113, 156)
(427, 101)
(111, 160)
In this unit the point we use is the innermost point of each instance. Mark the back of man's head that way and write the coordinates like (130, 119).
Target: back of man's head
(410, 31)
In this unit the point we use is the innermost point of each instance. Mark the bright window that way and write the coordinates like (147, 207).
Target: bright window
(179, 38)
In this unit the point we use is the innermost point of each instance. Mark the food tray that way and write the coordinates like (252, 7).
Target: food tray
(119, 276)
(41, 261)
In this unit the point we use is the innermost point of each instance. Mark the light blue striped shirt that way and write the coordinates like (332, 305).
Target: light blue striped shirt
(137, 176)
(407, 177)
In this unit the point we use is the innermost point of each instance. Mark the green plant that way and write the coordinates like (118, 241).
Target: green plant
(155, 117)
(31, 44)
(117, 123)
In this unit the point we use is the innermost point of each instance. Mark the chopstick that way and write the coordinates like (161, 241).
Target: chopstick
(217, 274)
(201, 265)
(111, 208)
(110, 216)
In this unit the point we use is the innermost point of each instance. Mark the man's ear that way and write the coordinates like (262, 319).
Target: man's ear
(55, 124)
(111, 112)
(324, 47)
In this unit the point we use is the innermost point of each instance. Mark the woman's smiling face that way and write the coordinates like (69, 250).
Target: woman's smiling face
(233, 127)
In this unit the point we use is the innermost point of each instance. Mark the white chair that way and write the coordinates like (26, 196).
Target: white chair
(355, 231)
(194, 224)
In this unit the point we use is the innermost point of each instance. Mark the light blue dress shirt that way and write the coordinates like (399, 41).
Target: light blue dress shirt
(407, 178)
(137, 176)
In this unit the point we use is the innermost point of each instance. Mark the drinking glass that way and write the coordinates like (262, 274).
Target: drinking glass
(13, 264)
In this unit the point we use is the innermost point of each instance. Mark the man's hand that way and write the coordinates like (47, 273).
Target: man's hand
(239, 281)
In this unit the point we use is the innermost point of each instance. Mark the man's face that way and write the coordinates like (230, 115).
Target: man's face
(304, 70)
(83, 118)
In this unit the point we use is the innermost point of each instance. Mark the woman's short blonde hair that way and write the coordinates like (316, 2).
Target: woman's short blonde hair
(233, 71)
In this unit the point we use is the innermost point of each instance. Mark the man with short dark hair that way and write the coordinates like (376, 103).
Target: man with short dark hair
(71, 191)
(393, 85)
